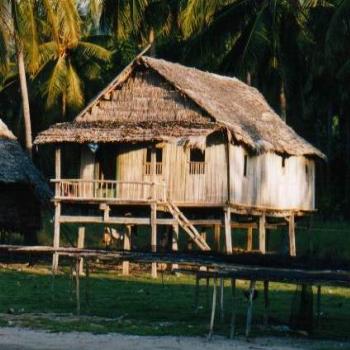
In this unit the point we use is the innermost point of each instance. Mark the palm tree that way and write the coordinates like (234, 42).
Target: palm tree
(17, 26)
(259, 41)
(137, 20)
(66, 56)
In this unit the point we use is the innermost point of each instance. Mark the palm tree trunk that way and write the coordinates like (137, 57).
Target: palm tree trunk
(283, 103)
(151, 39)
(25, 100)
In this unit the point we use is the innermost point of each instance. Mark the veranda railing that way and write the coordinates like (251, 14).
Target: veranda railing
(79, 189)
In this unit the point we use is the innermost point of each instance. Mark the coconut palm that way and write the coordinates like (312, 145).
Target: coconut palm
(17, 27)
(138, 20)
(67, 57)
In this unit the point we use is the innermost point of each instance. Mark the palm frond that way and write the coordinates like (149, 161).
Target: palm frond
(197, 14)
(70, 22)
(75, 96)
(95, 51)
(27, 31)
(57, 82)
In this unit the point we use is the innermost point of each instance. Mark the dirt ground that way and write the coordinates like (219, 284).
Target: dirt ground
(25, 339)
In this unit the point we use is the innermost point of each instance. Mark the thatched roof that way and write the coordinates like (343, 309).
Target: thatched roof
(17, 168)
(160, 93)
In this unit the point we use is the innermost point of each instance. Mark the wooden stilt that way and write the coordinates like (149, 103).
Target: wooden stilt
(318, 305)
(213, 310)
(228, 235)
(266, 303)
(250, 239)
(233, 309)
(217, 238)
(56, 236)
(80, 244)
(222, 286)
(262, 234)
(196, 294)
(127, 246)
(207, 280)
(154, 236)
(175, 243)
(87, 282)
(77, 285)
(291, 233)
(250, 308)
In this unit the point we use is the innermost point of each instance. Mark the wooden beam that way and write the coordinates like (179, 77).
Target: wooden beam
(291, 234)
(228, 162)
(233, 308)
(80, 244)
(217, 237)
(154, 237)
(228, 234)
(213, 309)
(127, 246)
(250, 239)
(175, 243)
(160, 221)
(58, 170)
(262, 234)
(222, 289)
(266, 303)
(56, 236)
(250, 308)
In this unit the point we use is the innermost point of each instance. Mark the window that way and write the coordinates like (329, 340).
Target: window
(197, 161)
(245, 165)
(159, 161)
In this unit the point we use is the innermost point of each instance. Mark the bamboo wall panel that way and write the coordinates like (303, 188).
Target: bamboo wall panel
(267, 182)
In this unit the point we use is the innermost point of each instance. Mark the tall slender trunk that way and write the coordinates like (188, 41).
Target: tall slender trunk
(25, 99)
(347, 163)
(283, 103)
(151, 39)
(329, 149)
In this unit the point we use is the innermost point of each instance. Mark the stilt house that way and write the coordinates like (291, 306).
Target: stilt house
(23, 189)
(182, 143)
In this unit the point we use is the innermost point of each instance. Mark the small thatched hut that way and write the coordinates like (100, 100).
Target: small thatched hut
(23, 189)
(177, 138)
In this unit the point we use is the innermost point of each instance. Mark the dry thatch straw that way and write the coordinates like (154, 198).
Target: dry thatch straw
(17, 168)
(170, 98)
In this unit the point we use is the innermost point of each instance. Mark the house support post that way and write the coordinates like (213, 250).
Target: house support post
(80, 244)
(291, 233)
(233, 308)
(154, 236)
(262, 233)
(228, 234)
(56, 235)
(250, 239)
(213, 309)
(250, 308)
(175, 243)
(127, 246)
(217, 238)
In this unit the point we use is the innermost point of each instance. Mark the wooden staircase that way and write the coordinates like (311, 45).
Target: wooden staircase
(187, 226)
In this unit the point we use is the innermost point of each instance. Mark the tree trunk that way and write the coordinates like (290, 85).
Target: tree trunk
(151, 39)
(283, 103)
(25, 99)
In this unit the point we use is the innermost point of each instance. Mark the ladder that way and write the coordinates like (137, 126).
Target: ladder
(187, 226)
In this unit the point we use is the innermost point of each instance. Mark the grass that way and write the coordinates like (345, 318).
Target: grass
(142, 306)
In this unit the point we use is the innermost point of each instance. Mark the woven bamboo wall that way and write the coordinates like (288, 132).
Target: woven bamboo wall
(269, 181)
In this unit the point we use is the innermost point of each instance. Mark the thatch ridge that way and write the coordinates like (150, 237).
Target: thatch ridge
(207, 97)
(17, 168)
(5, 132)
